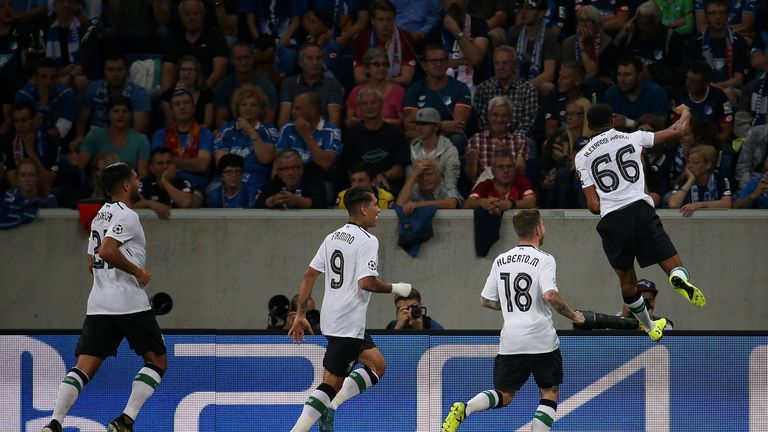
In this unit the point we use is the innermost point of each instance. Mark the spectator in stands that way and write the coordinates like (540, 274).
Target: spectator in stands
(376, 142)
(63, 44)
(317, 141)
(648, 291)
(233, 191)
(130, 146)
(376, 63)
(508, 189)
(703, 186)
(706, 101)
(465, 38)
(507, 83)
(189, 77)
(483, 145)
(495, 13)
(570, 86)
(350, 17)
(588, 44)
(222, 16)
(614, 13)
(411, 314)
(30, 193)
(753, 153)
(93, 111)
(425, 187)
(291, 188)
(25, 142)
(677, 15)
(190, 143)
(755, 193)
(700, 132)
(656, 161)
(55, 104)
(397, 44)
(207, 45)
(633, 96)
(753, 102)
(99, 163)
(723, 49)
(311, 79)
(277, 19)
(137, 26)
(739, 15)
(448, 96)
(362, 174)
(264, 55)
(163, 187)
(10, 51)
(537, 48)
(418, 18)
(249, 136)
(243, 61)
(429, 144)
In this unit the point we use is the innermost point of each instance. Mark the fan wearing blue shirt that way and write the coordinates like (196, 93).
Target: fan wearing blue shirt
(233, 191)
(632, 96)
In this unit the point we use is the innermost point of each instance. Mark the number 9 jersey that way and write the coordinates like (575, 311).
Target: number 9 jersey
(346, 256)
(612, 162)
(518, 280)
(114, 291)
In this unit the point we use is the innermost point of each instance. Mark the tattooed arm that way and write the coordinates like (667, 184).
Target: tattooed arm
(490, 304)
(559, 304)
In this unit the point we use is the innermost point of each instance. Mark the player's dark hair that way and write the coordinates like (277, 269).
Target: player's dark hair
(113, 176)
(599, 116)
(356, 197)
(525, 222)
(414, 295)
(230, 160)
(159, 150)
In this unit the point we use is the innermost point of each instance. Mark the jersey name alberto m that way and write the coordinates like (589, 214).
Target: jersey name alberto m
(346, 256)
(518, 280)
(114, 291)
(612, 162)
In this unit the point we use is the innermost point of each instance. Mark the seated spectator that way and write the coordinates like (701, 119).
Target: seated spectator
(277, 19)
(429, 144)
(754, 100)
(417, 17)
(588, 44)
(508, 189)
(706, 101)
(222, 16)
(537, 47)
(677, 15)
(233, 191)
(316, 28)
(425, 187)
(376, 142)
(207, 45)
(397, 45)
(245, 73)
(55, 104)
(317, 141)
(291, 188)
(248, 136)
(137, 26)
(700, 132)
(362, 175)
(99, 163)
(656, 161)
(755, 193)
(703, 187)
(738, 15)
(483, 145)
(163, 187)
(411, 314)
(375, 67)
(648, 291)
(67, 31)
(130, 146)
(191, 144)
(753, 153)
(20, 203)
(348, 19)
(614, 13)
(190, 78)
(495, 13)
(24, 142)
(570, 86)
(633, 96)
(311, 79)
(265, 58)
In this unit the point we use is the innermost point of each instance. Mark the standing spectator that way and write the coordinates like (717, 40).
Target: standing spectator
(375, 64)
(233, 191)
(398, 45)
(189, 76)
(706, 101)
(361, 174)
(291, 188)
(633, 96)
(417, 17)
(55, 104)
(29, 143)
(425, 187)
(311, 79)
(753, 153)
(207, 45)
(249, 136)
(63, 44)
(508, 189)
(243, 61)
(163, 187)
(703, 187)
(137, 26)
(537, 48)
(429, 144)
(588, 44)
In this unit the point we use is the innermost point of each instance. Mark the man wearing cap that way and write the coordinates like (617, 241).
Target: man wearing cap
(649, 292)
(537, 47)
(429, 144)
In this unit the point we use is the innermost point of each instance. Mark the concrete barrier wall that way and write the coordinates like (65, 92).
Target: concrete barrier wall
(221, 267)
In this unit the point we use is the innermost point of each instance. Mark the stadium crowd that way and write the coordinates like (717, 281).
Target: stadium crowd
(285, 104)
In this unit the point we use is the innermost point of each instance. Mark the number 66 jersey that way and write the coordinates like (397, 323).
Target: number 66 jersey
(612, 162)
(114, 291)
(518, 280)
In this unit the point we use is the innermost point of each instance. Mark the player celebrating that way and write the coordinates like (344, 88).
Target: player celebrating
(610, 167)
(523, 286)
(117, 306)
(349, 259)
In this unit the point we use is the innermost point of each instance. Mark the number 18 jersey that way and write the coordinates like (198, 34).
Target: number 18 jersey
(518, 280)
(347, 255)
(612, 162)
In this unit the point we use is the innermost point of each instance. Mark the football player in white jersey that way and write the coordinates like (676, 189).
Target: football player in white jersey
(349, 259)
(523, 285)
(117, 306)
(611, 170)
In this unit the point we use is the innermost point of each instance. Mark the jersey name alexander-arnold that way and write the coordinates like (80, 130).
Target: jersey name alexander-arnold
(342, 236)
(593, 146)
(517, 258)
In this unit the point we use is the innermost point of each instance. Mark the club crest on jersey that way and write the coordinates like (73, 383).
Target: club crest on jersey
(117, 229)
(372, 265)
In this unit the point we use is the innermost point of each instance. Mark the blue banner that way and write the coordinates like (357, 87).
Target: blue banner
(224, 383)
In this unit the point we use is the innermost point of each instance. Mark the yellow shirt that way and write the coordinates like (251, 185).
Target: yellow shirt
(386, 199)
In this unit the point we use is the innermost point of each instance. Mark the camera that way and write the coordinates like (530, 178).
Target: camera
(597, 320)
(313, 317)
(278, 306)
(417, 311)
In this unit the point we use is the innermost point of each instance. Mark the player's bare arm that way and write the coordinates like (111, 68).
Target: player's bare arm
(593, 200)
(109, 251)
(90, 264)
(677, 129)
(559, 304)
(490, 304)
(300, 324)
(376, 285)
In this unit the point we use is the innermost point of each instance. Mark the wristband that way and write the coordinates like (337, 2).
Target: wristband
(401, 289)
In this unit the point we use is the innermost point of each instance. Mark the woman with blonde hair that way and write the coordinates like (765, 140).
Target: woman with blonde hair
(189, 76)
(702, 186)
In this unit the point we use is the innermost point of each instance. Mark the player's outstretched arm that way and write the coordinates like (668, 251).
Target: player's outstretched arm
(677, 129)
(559, 304)
(490, 304)
(109, 251)
(376, 285)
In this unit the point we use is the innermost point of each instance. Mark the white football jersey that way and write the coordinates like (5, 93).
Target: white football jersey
(346, 256)
(612, 162)
(114, 291)
(518, 280)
